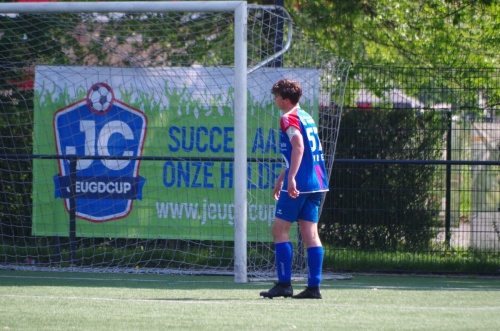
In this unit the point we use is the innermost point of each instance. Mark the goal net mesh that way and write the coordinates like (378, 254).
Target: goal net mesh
(117, 137)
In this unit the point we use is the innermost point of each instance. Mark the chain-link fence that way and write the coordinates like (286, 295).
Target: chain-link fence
(416, 181)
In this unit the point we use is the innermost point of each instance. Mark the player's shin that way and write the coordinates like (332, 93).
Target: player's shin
(284, 255)
(315, 265)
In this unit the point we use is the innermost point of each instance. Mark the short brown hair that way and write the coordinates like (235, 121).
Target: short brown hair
(288, 89)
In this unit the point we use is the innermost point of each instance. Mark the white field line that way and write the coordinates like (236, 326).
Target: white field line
(257, 301)
(323, 285)
(93, 279)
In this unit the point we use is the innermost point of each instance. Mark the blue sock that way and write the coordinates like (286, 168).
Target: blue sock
(284, 254)
(315, 265)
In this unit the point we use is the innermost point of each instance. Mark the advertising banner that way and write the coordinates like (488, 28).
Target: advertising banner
(185, 116)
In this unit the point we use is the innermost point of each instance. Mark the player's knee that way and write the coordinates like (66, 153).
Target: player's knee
(279, 236)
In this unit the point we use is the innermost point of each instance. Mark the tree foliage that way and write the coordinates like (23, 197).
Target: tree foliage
(435, 33)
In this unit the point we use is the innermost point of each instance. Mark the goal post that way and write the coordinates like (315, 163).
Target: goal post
(141, 136)
(240, 142)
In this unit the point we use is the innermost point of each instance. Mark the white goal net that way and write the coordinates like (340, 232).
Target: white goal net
(130, 138)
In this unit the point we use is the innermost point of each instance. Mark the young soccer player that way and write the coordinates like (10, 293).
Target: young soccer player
(298, 191)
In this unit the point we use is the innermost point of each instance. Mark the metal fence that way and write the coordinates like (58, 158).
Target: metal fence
(416, 181)
(415, 185)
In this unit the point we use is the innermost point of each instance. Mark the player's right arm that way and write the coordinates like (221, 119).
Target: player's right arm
(278, 185)
(296, 158)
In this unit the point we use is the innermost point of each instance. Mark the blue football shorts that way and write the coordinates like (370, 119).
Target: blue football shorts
(304, 207)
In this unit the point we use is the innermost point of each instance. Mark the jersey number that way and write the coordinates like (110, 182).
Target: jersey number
(312, 135)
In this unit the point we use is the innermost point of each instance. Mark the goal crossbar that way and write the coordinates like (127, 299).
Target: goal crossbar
(122, 6)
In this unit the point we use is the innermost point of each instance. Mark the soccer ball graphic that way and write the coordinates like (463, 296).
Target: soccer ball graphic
(100, 98)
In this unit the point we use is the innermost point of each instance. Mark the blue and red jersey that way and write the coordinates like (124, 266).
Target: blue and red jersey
(311, 176)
